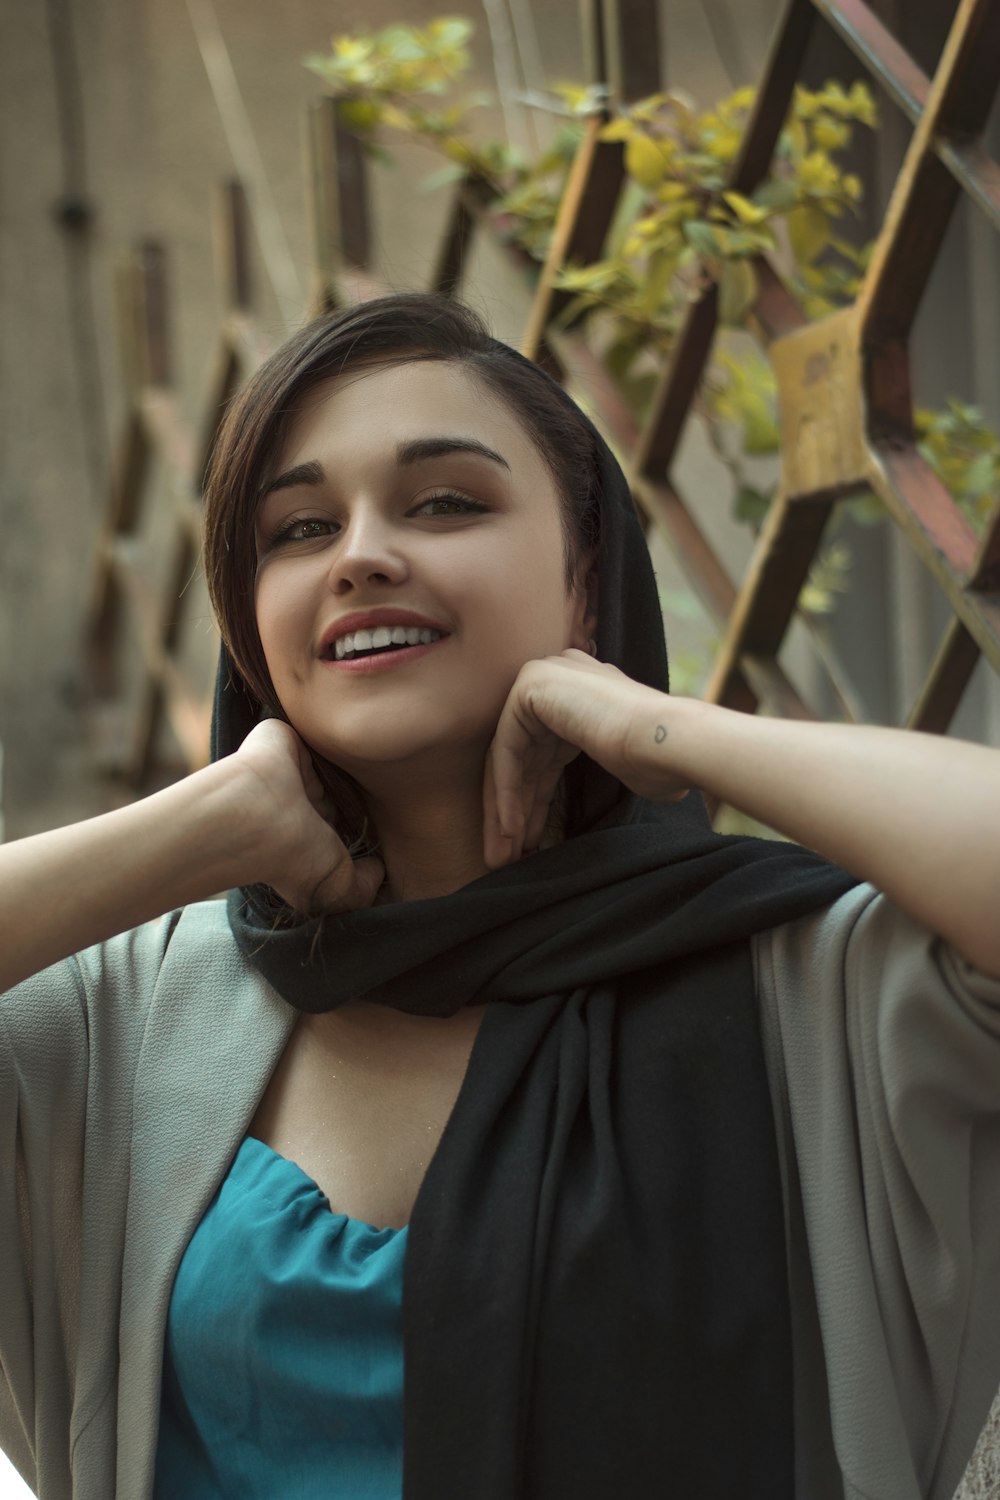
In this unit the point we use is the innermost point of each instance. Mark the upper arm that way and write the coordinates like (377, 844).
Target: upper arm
(883, 1045)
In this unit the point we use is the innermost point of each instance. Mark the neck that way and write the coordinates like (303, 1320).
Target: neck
(431, 842)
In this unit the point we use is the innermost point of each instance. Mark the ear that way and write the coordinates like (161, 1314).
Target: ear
(587, 588)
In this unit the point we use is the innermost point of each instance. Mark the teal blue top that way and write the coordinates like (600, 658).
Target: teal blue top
(283, 1362)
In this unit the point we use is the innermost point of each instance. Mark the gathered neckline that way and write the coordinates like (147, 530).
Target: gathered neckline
(254, 1142)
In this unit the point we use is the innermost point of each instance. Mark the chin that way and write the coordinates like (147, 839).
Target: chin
(410, 749)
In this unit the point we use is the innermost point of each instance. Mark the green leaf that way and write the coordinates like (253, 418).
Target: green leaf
(644, 161)
(808, 231)
(981, 476)
(703, 236)
(737, 292)
(443, 177)
(760, 430)
(745, 211)
(751, 505)
(618, 130)
(866, 510)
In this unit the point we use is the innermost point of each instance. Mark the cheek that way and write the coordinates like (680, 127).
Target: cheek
(278, 609)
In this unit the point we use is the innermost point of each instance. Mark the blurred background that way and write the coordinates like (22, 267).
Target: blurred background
(118, 121)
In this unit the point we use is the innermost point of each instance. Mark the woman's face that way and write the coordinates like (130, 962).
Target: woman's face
(408, 498)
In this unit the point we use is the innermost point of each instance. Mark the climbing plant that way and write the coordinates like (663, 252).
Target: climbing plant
(678, 224)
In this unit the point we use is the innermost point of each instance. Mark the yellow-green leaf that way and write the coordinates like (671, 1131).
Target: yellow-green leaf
(745, 211)
(737, 291)
(808, 231)
(644, 161)
(618, 130)
(829, 133)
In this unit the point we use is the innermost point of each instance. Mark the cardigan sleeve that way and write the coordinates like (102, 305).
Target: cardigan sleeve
(69, 1040)
(883, 1052)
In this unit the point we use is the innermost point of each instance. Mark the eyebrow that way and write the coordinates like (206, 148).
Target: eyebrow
(438, 447)
(412, 452)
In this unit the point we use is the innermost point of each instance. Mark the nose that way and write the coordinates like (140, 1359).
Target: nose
(367, 555)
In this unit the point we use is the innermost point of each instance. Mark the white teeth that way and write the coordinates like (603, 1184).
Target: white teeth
(383, 636)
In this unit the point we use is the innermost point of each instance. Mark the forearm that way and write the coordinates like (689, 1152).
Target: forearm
(917, 815)
(65, 890)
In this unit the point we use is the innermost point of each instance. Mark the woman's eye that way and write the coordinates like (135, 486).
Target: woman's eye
(449, 505)
(305, 529)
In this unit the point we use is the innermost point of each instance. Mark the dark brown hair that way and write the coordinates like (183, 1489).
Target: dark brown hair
(389, 330)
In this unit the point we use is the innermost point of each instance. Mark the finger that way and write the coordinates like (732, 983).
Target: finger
(544, 791)
(498, 846)
(507, 765)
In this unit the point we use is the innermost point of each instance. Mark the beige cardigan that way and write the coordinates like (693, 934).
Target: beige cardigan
(128, 1076)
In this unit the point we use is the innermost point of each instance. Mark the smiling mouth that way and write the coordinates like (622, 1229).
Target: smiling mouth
(381, 641)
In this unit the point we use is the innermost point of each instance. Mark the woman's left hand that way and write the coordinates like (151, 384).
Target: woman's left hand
(559, 706)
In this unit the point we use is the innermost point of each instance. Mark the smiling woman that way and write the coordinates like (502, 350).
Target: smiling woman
(410, 526)
(507, 1132)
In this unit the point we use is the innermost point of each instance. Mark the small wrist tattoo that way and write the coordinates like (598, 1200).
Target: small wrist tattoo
(661, 733)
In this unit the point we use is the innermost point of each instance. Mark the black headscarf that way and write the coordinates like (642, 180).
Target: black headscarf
(596, 1291)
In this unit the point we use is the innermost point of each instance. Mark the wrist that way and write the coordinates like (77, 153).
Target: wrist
(667, 736)
(216, 843)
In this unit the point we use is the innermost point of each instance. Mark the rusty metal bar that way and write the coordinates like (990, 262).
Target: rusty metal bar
(775, 312)
(875, 46)
(168, 432)
(958, 105)
(909, 88)
(768, 595)
(941, 536)
(151, 311)
(978, 174)
(632, 43)
(581, 227)
(232, 244)
(469, 202)
(676, 390)
(338, 198)
(595, 53)
(354, 209)
(946, 682)
(986, 568)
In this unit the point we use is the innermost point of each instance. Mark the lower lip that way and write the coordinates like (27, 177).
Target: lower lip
(384, 663)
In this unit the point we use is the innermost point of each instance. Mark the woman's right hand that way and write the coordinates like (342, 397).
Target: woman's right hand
(292, 846)
(256, 816)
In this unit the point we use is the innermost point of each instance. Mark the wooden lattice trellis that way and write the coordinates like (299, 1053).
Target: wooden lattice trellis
(844, 390)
